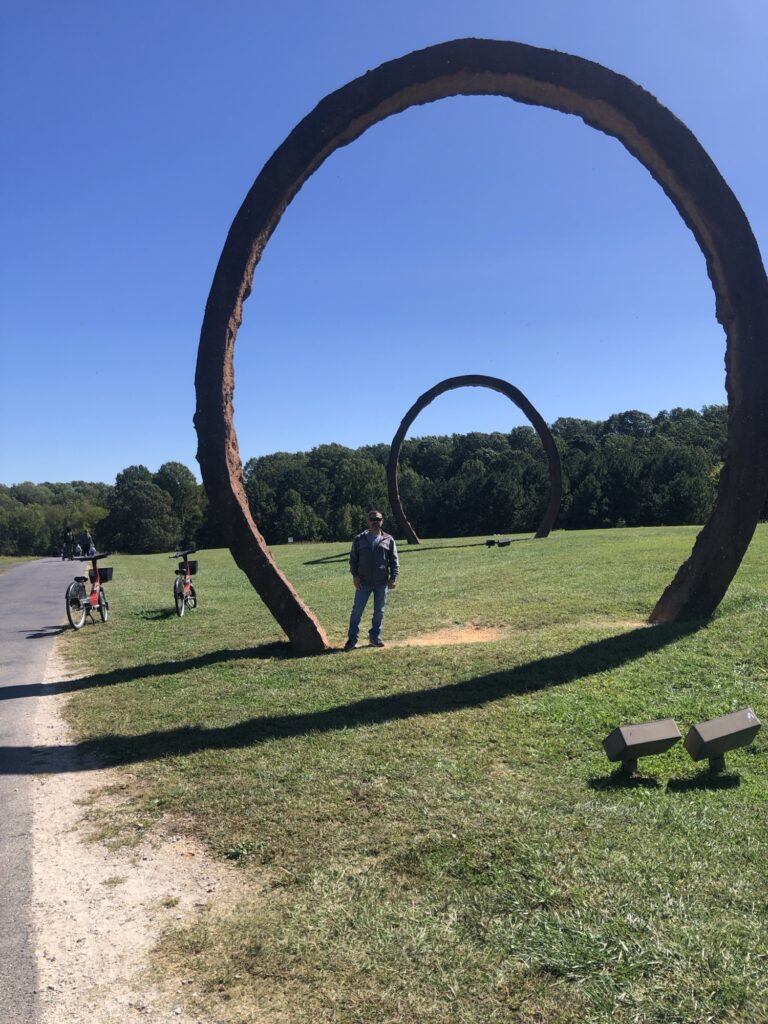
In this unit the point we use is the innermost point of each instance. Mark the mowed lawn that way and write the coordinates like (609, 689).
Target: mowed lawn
(432, 833)
(10, 561)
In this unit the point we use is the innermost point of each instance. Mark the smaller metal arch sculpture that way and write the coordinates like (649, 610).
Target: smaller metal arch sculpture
(477, 380)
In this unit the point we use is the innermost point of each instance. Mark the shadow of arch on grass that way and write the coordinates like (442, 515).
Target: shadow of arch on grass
(118, 676)
(113, 750)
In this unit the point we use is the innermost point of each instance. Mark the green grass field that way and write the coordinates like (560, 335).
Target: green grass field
(9, 561)
(433, 833)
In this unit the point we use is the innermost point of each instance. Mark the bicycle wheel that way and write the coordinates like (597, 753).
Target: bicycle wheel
(192, 597)
(76, 605)
(103, 606)
(178, 596)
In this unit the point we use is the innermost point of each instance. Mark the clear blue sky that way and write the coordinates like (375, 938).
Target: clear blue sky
(472, 235)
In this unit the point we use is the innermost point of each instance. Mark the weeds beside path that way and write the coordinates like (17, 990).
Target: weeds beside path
(11, 561)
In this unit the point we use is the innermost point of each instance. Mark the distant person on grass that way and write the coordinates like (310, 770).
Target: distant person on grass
(374, 565)
(68, 550)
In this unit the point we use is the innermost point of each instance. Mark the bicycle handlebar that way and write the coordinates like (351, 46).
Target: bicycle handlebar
(180, 554)
(93, 558)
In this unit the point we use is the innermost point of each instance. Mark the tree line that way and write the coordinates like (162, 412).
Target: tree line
(142, 512)
(631, 469)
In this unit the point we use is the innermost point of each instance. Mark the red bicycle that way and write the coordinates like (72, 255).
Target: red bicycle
(184, 593)
(80, 604)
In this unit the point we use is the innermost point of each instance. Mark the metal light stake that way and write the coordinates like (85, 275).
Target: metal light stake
(629, 742)
(713, 739)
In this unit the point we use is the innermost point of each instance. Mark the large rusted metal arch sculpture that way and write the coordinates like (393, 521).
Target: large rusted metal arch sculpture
(603, 99)
(477, 380)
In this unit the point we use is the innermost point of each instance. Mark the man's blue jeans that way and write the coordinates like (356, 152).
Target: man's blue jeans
(379, 591)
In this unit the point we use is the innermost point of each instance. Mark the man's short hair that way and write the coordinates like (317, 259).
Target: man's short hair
(375, 514)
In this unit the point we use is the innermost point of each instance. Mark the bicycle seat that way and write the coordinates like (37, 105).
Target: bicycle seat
(79, 579)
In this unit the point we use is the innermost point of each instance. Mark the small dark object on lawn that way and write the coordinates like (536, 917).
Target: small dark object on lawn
(490, 543)
(504, 543)
(714, 738)
(629, 742)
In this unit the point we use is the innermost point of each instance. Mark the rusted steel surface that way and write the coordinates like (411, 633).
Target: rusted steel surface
(606, 101)
(477, 380)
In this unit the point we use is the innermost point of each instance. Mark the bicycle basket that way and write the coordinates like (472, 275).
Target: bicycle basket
(192, 568)
(105, 574)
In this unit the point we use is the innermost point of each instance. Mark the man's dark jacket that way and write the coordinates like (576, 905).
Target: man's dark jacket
(377, 566)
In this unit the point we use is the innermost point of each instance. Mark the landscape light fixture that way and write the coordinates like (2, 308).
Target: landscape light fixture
(714, 738)
(629, 742)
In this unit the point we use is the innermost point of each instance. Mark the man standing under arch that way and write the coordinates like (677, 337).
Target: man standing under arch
(375, 566)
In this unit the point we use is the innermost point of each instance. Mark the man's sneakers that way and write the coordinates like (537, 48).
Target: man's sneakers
(350, 645)
(377, 643)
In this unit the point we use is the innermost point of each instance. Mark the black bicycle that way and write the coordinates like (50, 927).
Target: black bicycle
(184, 593)
(79, 603)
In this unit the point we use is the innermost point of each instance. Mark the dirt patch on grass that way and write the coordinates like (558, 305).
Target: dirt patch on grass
(452, 635)
(472, 634)
(98, 912)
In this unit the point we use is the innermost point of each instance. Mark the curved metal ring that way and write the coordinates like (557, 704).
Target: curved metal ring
(477, 380)
(606, 101)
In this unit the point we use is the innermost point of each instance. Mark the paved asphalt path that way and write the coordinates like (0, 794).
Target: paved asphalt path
(32, 599)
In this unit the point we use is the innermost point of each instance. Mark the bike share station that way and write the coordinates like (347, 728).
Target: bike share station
(81, 604)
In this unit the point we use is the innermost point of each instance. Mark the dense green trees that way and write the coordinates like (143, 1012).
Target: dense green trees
(141, 512)
(184, 491)
(637, 470)
(629, 470)
(153, 512)
(140, 515)
(317, 495)
(33, 517)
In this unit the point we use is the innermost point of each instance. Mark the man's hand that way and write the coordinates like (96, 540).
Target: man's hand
(391, 585)
(356, 581)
